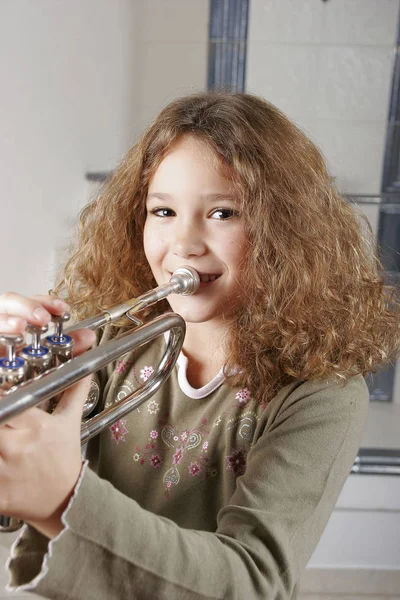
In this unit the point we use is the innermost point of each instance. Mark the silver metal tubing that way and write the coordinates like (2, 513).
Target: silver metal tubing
(184, 280)
(168, 322)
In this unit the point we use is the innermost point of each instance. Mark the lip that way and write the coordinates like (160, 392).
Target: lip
(204, 284)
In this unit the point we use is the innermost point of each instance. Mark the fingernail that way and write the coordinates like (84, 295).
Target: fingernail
(60, 304)
(41, 314)
(12, 321)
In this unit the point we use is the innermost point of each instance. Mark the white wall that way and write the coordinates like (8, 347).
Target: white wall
(173, 37)
(68, 71)
(328, 66)
(80, 80)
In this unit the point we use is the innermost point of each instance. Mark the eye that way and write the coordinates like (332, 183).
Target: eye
(162, 212)
(223, 214)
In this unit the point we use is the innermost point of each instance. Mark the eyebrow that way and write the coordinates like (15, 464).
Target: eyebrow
(210, 197)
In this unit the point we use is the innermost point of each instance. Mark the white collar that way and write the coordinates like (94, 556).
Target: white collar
(195, 393)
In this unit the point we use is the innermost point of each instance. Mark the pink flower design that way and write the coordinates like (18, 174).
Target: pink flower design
(205, 446)
(237, 462)
(194, 469)
(146, 372)
(121, 367)
(154, 434)
(177, 457)
(119, 431)
(156, 460)
(243, 395)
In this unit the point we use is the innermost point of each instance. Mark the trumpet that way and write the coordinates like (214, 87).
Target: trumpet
(47, 381)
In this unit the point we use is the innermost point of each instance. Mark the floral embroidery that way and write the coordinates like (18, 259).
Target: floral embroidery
(141, 455)
(153, 407)
(122, 365)
(243, 396)
(184, 435)
(237, 462)
(119, 431)
(177, 457)
(146, 372)
(171, 477)
(194, 469)
(180, 442)
(156, 460)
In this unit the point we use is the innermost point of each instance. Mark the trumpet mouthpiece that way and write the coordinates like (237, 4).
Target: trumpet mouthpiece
(188, 280)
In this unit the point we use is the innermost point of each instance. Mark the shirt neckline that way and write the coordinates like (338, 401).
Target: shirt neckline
(187, 389)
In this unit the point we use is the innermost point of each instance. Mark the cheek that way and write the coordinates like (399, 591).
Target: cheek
(153, 245)
(235, 251)
(149, 240)
(146, 240)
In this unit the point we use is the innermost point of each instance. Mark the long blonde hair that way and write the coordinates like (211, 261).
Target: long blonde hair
(314, 300)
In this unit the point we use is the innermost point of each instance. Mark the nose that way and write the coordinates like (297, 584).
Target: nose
(189, 240)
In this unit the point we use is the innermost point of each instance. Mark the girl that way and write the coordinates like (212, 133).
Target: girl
(220, 486)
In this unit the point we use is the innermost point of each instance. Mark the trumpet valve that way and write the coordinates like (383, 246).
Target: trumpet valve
(37, 356)
(13, 369)
(60, 344)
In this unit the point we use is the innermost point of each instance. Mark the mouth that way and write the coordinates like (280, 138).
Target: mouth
(207, 278)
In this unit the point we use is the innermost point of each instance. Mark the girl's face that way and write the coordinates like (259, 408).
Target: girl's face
(193, 219)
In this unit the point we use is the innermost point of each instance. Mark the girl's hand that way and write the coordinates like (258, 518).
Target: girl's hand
(17, 311)
(40, 454)
(40, 458)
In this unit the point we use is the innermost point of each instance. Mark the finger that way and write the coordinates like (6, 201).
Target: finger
(55, 305)
(36, 309)
(28, 419)
(10, 440)
(83, 340)
(73, 399)
(12, 324)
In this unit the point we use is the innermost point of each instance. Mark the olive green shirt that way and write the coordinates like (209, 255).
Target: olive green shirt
(199, 494)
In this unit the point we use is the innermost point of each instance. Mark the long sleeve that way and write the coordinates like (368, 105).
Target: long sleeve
(112, 548)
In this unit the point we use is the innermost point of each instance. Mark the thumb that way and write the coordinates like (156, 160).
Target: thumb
(74, 398)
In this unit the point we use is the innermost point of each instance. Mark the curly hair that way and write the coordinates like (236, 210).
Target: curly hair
(314, 299)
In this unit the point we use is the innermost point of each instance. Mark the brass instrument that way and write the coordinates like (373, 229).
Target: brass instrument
(20, 394)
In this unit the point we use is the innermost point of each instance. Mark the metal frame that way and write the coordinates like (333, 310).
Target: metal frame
(227, 45)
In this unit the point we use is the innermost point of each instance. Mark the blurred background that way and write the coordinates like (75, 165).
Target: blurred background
(81, 79)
